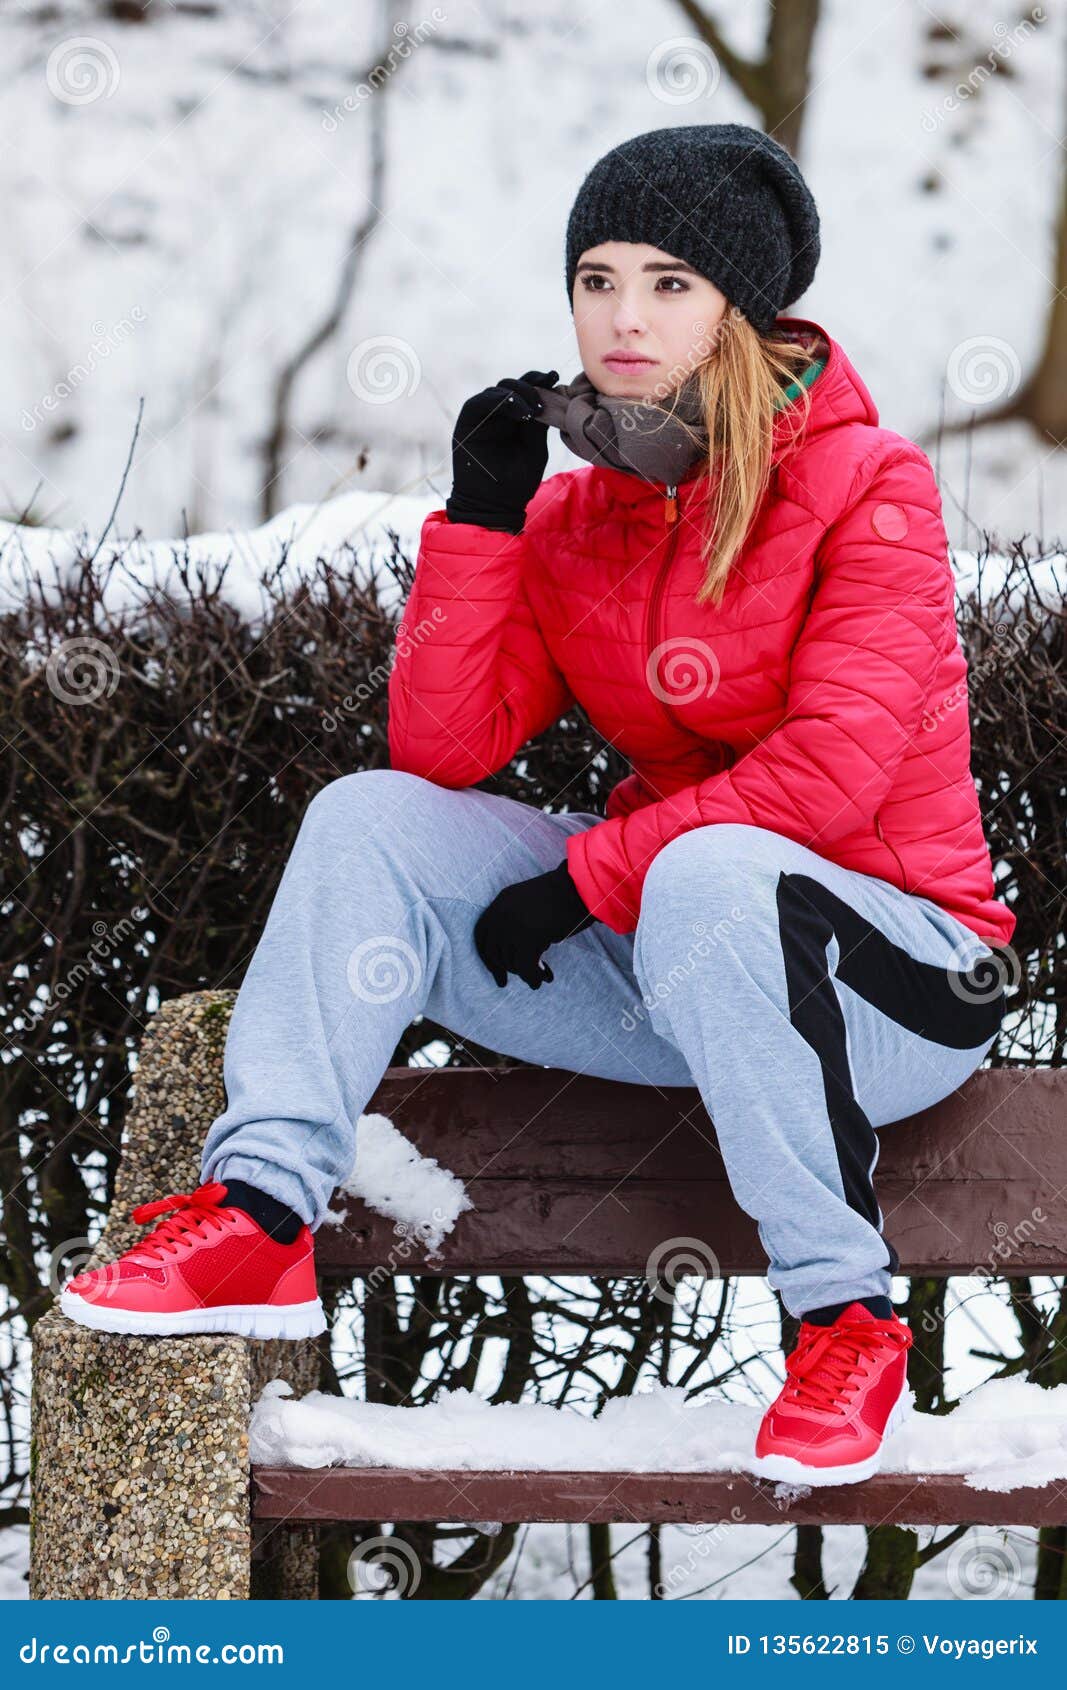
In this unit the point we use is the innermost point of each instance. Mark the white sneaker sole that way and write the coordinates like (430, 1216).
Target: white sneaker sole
(785, 1467)
(248, 1320)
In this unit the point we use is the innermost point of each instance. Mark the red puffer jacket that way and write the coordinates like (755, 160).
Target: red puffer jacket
(825, 698)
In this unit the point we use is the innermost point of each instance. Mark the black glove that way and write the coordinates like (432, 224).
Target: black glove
(524, 919)
(499, 453)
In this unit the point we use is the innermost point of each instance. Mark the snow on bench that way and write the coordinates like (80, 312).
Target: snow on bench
(1003, 1434)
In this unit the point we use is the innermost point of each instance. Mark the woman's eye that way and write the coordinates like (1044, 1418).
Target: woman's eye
(590, 284)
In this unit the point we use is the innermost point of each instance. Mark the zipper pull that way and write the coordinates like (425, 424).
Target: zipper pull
(672, 505)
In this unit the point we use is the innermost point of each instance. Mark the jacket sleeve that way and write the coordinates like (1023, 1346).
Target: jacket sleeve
(472, 679)
(881, 614)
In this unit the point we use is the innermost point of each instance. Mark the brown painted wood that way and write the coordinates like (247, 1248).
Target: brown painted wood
(390, 1493)
(573, 1174)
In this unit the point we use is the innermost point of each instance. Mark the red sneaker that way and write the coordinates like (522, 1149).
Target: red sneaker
(206, 1268)
(846, 1390)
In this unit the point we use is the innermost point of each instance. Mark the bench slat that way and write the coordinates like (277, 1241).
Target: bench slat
(573, 1174)
(392, 1493)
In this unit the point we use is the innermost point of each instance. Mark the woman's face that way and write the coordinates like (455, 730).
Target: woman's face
(644, 319)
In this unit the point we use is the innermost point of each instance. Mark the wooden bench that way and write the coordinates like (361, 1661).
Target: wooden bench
(572, 1175)
(568, 1175)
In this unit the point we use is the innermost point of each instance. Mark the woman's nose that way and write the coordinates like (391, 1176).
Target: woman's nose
(627, 317)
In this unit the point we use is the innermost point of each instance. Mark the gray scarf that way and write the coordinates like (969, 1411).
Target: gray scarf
(650, 439)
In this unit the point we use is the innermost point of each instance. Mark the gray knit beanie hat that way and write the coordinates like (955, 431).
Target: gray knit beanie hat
(723, 197)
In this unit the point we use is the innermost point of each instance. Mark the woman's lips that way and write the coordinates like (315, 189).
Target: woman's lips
(627, 361)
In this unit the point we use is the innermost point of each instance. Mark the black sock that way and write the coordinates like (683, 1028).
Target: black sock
(274, 1217)
(880, 1306)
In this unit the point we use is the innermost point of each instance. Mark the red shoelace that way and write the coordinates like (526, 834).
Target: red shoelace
(828, 1363)
(194, 1212)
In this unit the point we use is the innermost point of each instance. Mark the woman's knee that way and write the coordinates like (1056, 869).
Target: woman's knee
(711, 866)
(370, 794)
(702, 900)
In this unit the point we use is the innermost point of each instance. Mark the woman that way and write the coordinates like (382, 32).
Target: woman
(789, 900)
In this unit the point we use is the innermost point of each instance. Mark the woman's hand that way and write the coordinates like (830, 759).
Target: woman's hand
(523, 920)
(499, 453)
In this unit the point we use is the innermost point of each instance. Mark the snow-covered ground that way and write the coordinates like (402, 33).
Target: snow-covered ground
(181, 196)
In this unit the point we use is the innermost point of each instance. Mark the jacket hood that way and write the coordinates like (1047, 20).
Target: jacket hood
(839, 396)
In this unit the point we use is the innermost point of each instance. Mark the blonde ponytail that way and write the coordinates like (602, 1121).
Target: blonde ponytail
(740, 385)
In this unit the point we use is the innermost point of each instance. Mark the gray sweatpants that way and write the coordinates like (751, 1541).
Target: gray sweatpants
(810, 1004)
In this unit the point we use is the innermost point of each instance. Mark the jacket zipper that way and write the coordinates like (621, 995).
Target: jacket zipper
(670, 517)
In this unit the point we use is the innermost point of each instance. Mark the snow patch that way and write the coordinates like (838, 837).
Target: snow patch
(353, 533)
(395, 1179)
(1004, 1434)
(237, 560)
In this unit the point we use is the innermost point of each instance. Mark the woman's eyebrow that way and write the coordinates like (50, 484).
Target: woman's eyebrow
(655, 264)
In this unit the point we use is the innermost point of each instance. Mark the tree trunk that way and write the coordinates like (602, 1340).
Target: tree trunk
(924, 1312)
(600, 1562)
(889, 1568)
(655, 1563)
(806, 1577)
(1050, 1582)
(777, 84)
(1043, 400)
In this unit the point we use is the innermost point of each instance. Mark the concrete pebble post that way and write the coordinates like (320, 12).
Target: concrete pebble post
(139, 1453)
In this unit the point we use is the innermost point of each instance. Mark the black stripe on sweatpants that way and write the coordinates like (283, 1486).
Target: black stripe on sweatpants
(928, 1000)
